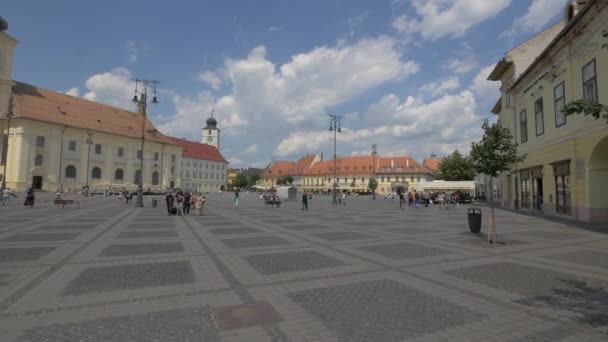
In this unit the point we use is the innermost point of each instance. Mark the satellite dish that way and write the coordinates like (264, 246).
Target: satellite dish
(3, 24)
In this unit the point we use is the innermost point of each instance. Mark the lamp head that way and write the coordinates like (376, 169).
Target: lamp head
(339, 129)
(135, 100)
(154, 100)
(331, 128)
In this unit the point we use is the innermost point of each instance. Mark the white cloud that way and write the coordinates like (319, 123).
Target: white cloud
(445, 124)
(252, 148)
(190, 115)
(211, 78)
(538, 15)
(439, 18)
(485, 90)
(235, 162)
(131, 51)
(464, 61)
(114, 88)
(441, 87)
(73, 92)
(274, 29)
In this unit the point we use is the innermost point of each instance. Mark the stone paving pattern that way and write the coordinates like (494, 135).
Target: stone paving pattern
(365, 271)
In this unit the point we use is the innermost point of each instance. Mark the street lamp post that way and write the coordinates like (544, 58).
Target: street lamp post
(334, 125)
(9, 115)
(142, 104)
(89, 143)
(374, 153)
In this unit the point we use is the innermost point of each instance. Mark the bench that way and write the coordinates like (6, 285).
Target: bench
(63, 202)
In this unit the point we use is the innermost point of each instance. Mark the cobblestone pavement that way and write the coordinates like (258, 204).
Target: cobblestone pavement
(364, 271)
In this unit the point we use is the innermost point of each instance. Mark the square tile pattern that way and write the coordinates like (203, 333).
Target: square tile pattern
(343, 236)
(24, 253)
(126, 277)
(380, 310)
(584, 257)
(41, 237)
(240, 230)
(290, 262)
(190, 324)
(402, 250)
(147, 235)
(142, 248)
(250, 242)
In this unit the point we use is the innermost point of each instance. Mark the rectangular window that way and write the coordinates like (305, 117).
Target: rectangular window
(559, 99)
(156, 156)
(539, 120)
(121, 151)
(40, 141)
(173, 158)
(72, 145)
(507, 99)
(590, 82)
(412, 179)
(139, 154)
(523, 125)
(97, 149)
(4, 149)
(525, 193)
(561, 171)
(418, 179)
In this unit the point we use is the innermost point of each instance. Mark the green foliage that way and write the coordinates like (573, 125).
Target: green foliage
(495, 152)
(254, 179)
(457, 167)
(240, 181)
(372, 184)
(594, 109)
(285, 180)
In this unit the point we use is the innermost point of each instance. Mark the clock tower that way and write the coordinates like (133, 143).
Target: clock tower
(211, 134)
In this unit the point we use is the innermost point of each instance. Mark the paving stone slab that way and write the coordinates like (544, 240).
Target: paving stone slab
(239, 230)
(67, 226)
(190, 324)
(344, 236)
(549, 235)
(402, 250)
(133, 276)
(380, 310)
(142, 248)
(583, 257)
(148, 235)
(51, 237)
(24, 253)
(290, 262)
(410, 231)
(250, 242)
(309, 226)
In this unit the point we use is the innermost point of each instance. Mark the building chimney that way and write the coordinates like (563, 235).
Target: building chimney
(407, 162)
(392, 163)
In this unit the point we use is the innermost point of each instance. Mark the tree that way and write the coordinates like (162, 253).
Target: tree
(457, 167)
(240, 181)
(373, 185)
(285, 180)
(495, 153)
(254, 179)
(586, 107)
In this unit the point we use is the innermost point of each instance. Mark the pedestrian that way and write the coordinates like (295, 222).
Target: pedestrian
(304, 201)
(187, 199)
(29, 197)
(127, 196)
(416, 199)
(179, 200)
(169, 199)
(236, 197)
(441, 200)
(410, 198)
(401, 201)
(6, 193)
(200, 204)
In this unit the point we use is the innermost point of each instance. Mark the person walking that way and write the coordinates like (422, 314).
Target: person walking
(169, 199)
(29, 197)
(441, 199)
(199, 204)
(304, 201)
(187, 199)
(401, 201)
(6, 197)
(179, 200)
(236, 197)
(410, 198)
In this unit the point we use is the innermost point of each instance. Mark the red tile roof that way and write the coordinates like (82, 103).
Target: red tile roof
(199, 151)
(432, 164)
(279, 168)
(399, 165)
(52, 107)
(345, 165)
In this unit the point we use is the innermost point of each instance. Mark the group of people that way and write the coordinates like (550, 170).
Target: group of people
(181, 203)
(30, 197)
(414, 199)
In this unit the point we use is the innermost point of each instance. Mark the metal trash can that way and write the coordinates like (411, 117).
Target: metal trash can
(154, 202)
(474, 215)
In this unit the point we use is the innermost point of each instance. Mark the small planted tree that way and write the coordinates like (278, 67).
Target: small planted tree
(457, 167)
(254, 179)
(494, 153)
(240, 181)
(373, 185)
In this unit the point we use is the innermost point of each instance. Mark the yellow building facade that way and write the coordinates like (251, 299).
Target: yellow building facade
(565, 172)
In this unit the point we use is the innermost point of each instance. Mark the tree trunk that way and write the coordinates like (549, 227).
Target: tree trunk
(492, 225)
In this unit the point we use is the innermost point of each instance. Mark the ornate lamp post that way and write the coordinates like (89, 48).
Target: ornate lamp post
(334, 125)
(9, 115)
(142, 103)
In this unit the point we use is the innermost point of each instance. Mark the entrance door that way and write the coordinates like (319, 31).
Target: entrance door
(37, 182)
(538, 194)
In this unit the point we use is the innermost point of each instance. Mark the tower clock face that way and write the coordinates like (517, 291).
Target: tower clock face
(209, 139)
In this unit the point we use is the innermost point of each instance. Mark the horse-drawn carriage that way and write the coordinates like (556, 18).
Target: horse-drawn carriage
(271, 199)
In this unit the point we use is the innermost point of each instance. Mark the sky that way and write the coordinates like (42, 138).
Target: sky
(406, 75)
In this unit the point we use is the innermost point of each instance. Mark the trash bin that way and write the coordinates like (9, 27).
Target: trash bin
(154, 202)
(474, 220)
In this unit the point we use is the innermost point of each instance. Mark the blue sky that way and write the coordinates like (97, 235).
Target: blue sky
(408, 76)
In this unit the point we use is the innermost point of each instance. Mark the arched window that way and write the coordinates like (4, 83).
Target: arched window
(155, 178)
(38, 160)
(70, 171)
(96, 173)
(118, 174)
(137, 177)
